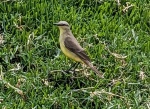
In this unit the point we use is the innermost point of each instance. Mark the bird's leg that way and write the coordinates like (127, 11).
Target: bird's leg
(74, 65)
(71, 67)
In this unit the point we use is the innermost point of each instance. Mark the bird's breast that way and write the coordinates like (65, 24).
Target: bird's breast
(68, 53)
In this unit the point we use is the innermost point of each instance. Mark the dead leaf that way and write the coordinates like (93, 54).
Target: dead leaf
(142, 75)
(1, 39)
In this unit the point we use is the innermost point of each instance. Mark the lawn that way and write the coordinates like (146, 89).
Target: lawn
(114, 33)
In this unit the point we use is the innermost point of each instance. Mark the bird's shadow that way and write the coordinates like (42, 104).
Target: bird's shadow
(64, 78)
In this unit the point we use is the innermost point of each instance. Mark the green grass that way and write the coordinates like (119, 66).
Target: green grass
(31, 40)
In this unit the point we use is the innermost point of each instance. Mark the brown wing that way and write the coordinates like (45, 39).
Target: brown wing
(74, 47)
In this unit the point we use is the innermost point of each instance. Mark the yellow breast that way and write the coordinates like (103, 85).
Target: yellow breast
(69, 53)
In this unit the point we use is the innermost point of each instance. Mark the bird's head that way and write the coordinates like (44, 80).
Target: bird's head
(63, 25)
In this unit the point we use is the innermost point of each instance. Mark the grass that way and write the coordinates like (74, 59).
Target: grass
(116, 37)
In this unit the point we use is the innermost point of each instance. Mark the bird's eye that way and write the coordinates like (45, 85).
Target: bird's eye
(64, 25)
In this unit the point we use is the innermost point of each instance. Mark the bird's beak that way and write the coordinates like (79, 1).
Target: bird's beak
(57, 24)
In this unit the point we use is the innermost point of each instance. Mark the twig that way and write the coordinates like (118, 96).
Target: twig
(118, 2)
(17, 67)
(114, 54)
(76, 90)
(64, 71)
(95, 93)
(20, 92)
(11, 86)
(127, 7)
(8, 0)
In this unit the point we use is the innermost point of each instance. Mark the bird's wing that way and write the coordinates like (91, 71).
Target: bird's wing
(74, 47)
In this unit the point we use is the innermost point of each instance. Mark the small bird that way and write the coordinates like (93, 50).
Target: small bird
(71, 48)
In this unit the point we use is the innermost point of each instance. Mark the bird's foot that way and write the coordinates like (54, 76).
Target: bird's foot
(69, 71)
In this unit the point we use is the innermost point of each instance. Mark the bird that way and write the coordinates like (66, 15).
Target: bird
(71, 48)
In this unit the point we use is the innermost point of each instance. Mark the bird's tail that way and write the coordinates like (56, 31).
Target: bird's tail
(94, 69)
